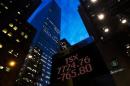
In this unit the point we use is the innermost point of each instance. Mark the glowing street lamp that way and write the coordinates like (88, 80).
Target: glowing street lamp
(12, 63)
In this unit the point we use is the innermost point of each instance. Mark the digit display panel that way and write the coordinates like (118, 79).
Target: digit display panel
(79, 64)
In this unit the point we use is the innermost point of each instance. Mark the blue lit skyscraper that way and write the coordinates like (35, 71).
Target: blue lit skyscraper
(46, 19)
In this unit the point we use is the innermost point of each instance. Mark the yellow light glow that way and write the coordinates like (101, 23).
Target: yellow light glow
(9, 34)
(12, 63)
(22, 33)
(17, 40)
(11, 24)
(1, 46)
(1, 67)
(4, 31)
(25, 36)
(15, 27)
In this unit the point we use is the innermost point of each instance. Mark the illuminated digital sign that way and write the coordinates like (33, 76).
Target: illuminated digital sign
(74, 66)
(79, 64)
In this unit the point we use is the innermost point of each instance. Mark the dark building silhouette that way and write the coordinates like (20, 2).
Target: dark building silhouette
(64, 44)
(108, 23)
(16, 35)
(115, 15)
(46, 19)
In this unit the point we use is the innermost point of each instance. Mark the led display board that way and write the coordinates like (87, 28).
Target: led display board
(81, 65)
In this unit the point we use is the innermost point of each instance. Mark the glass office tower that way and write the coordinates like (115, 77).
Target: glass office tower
(46, 19)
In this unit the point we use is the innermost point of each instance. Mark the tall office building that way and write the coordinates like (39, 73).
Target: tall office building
(46, 19)
(31, 70)
(102, 16)
(109, 23)
(15, 37)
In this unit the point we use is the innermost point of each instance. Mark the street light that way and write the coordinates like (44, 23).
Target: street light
(12, 63)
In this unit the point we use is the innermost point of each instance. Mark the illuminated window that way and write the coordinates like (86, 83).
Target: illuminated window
(42, 74)
(6, 7)
(22, 33)
(10, 51)
(7, 69)
(40, 84)
(25, 36)
(46, 81)
(11, 24)
(15, 27)
(127, 46)
(123, 21)
(35, 65)
(93, 1)
(27, 79)
(106, 29)
(4, 31)
(17, 40)
(101, 16)
(1, 4)
(27, 5)
(1, 46)
(1, 67)
(10, 1)
(16, 54)
(9, 34)
(19, 12)
(101, 37)
(30, 56)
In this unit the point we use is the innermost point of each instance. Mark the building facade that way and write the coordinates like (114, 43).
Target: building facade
(108, 22)
(46, 19)
(16, 34)
(31, 70)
